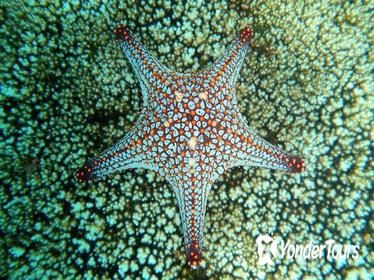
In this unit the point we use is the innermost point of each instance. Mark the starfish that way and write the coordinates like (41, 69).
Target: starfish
(190, 130)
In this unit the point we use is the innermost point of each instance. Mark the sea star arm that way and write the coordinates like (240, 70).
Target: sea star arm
(225, 70)
(192, 197)
(149, 71)
(131, 152)
(256, 151)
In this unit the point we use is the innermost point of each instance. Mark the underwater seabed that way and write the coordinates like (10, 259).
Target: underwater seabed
(67, 93)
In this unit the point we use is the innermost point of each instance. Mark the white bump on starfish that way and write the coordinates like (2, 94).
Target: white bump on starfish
(203, 95)
(178, 96)
(167, 123)
(192, 142)
(192, 161)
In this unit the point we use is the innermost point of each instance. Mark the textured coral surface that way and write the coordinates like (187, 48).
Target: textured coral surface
(67, 93)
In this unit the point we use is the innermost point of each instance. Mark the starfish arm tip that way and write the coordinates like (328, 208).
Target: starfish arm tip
(295, 164)
(246, 33)
(194, 255)
(85, 173)
(121, 32)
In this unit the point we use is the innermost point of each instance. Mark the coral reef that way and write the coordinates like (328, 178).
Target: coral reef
(67, 92)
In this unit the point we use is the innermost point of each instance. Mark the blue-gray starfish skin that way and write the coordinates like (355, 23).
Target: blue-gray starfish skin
(190, 131)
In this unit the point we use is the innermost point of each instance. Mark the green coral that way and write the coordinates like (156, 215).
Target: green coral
(67, 92)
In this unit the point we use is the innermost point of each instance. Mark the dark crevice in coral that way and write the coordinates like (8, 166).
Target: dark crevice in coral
(104, 117)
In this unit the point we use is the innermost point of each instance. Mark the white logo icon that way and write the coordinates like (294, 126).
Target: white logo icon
(264, 256)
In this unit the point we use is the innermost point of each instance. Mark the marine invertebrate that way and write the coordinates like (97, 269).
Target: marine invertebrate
(306, 86)
(190, 131)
